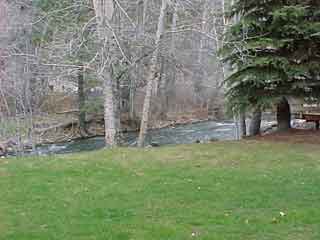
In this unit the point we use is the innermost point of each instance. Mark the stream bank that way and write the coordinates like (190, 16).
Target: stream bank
(204, 131)
(173, 133)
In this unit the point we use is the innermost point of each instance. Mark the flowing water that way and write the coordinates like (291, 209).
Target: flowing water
(183, 134)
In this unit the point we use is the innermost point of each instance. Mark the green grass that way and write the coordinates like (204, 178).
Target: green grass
(216, 191)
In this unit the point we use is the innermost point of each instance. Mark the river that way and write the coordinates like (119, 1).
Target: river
(182, 134)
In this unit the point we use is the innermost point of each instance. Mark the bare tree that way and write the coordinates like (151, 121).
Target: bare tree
(104, 12)
(144, 59)
(152, 77)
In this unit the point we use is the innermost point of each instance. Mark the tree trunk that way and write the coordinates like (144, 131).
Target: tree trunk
(109, 112)
(82, 103)
(283, 115)
(163, 106)
(104, 10)
(243, 125)
(199, 71)
(152, 78)
(255, 124)
(132, 95)
(168, 68)
(141, 13)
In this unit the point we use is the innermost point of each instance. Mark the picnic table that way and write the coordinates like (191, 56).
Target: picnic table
(312, 117)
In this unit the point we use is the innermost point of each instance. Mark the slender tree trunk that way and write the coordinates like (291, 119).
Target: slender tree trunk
(168, 69)
(283, 115)
(141, 13)
(132, 94)
(175, 19)
(144, 15)
(174, 28)
(117, 106)
(82, 104)
(152, 78)
(199, 72)
(255, 124)
(236, 123)
(163, 81)
(243, 125)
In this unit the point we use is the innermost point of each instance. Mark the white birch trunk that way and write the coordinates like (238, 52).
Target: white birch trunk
(104, 10)
(109, 112)
(152, 77)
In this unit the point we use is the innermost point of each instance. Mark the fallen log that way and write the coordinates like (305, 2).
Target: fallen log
(57, 126)
(72, 111)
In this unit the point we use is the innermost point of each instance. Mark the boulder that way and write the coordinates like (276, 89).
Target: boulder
(7, 147)
(3, 149)
(155, 144)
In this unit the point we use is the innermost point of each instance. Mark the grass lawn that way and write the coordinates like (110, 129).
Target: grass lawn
(211, 192)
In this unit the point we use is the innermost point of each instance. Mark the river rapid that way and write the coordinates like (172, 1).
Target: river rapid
(183, 134)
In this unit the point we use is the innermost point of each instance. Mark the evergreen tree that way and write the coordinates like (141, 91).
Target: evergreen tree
(274, 51)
